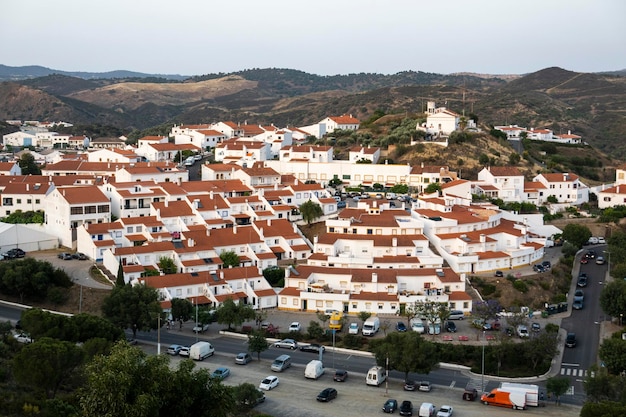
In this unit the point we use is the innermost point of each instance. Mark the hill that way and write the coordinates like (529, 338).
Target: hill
(590, 105)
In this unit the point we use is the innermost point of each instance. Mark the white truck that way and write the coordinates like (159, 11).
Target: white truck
(371, 326)
(375, 376)
(530, 390)
(314, 369)
(200, 350)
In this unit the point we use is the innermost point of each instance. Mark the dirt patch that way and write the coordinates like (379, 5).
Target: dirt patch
(88, 300)
(313, 229)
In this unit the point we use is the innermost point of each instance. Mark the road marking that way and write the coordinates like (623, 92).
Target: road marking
(570, 364)
(452, 384)
(570, 390)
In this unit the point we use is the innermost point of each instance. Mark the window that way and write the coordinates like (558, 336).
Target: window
(465, 305)
(283, 300)
(37, 201)
(354, 306)
(18, 201)
(380, 306)
(370, 231)
(76, 210)
(295, 302)
(29, 201)
(90, 209)
(103, 209)
(7, 202)
(319, 303)
(129, 229)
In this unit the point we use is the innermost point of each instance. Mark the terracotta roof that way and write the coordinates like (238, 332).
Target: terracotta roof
(345, 119)
(506, 171)
(83, 195)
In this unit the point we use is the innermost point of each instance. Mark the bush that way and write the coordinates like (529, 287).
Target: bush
(520, 286)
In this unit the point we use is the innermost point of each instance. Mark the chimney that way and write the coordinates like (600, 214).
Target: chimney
(221, 274)
(27, 186)
(196, 203)
(211, 194)
(374, 278)
(190, 243)
(269, 222)
(234, 229)
(261, 235)
(208, 231)
(287, 272)
(394, 242)
(167, 203)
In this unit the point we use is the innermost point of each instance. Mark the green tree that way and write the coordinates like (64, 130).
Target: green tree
(410, 311)
(514, 158)
(315, 331)
(433, 187)
(311, 211)
(363, 316)
(232, 313)
(182, 309)
(407, 352)
(133, 306)
(275, 276)
(119, 280)
(604, 409)
(257, 343)
(167, 265)
(246, 396)
(229, 259)
(613, 353)
(323, 317)
(483, 159)
(557, 386)
(400, 189)
(28, 165)
(576, 234)
(542, 347)
(46, 364)
(552, 199)
(613, 298)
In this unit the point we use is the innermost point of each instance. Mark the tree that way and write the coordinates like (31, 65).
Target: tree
(613, 298)
(433, 187)
(229, 259)
(323, 317)
(311, 211)
(46, 364)
(120, 281)
(246, 396)
(275, 276)
(604, 408)
(410, 311)
(557, 386)
(407, 352)
(182, 309)
(384, 326)
(315, 331)
(133, 306)
(613, 354)
(28, 165)
(167, 265)
(483, 159)
(232, 313)
(542, 347)
(576, 234)
(257, 343)
(335, 182)
(363, 316)
(400, 189)
(514, 158)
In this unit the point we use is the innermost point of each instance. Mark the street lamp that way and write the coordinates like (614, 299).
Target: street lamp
(608, 261)
(482, 378)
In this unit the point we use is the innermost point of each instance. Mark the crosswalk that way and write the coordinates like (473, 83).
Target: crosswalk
(574, 372)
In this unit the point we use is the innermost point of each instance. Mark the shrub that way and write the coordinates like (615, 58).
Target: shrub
(520, 286)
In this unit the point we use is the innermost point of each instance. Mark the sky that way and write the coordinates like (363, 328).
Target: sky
(324, 37)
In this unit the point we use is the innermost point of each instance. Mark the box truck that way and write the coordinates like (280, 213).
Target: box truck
(200, 350)
(530, 390)
(314, 369)
(371, 326)
(515, 400)
(375, 376)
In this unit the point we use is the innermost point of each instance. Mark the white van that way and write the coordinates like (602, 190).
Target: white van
(314, 369)
(375, 376)
(371, 326)
(281, 363)
(200, 350)
(427, 410)
(190, 161)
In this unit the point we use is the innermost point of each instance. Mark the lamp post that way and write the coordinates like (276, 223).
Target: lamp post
(196, 303)
(159, 335)
(482, 377)
(387, 376)
(334, 331)
(608, 261)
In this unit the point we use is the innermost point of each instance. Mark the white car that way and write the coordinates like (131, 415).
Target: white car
(269, 382)
(601, 241)
(287, 344)
(22, 337)
(522, 331)
(354, 328)
(418, 326)
(184, 351)
(444, 411)
(294, 327)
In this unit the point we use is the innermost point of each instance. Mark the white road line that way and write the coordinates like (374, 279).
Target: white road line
(570, 364)
(452, 384)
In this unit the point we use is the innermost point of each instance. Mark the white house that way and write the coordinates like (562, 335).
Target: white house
(440, 121)
(361, 153)
(10, 168)
(310, 153)
(507, 179)
(566, 187)
(113, 155)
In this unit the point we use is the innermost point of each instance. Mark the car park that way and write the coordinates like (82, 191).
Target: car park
(390, 406)
(445, 411)
(221, 373)
(313, 347)
(406, 408)
(424, 386)
(243, 358)
(295, 327)
(327, 394)
(174, 349)
(269, 383)
(410, 385)
(340, 375)
(400, 326)
(286, 344)
(570, 340)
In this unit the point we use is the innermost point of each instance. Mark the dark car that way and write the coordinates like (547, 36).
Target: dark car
(340, 375)
(591, 254)
(390, 406)
(406, 408)
(341, 204)
(327, 394)
(498, 274)
(582, 280)
(570, 340)
(313, 347)
(410, 385)
(579, 295)
(400, 326)
(14, 253)
(535, 327)
(509, 331)
(546, 264)
(470, 394)
(450, 326)
(539, 268)
(80, 256)
(66, 256)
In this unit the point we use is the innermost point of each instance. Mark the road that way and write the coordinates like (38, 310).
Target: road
(585, 323)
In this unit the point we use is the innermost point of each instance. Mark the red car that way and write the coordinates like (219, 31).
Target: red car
(584, 260)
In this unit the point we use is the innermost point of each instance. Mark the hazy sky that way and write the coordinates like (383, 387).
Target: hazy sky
(194, 37)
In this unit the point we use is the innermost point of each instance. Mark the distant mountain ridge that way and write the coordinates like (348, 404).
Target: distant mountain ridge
(8, 73)
(590, 105)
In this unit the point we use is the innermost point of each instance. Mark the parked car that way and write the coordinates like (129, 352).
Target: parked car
(14, 253)
(570, 340)
(579, 295)
(591, 254)
(295, 327)
(269, 382)
(470, 394)
(313, 347)
(546, 264)
(340, 375)
(582, 280)
(243, 358)
(601, 241)
(390, 406)
(22, 337)
(522, 331)
(327, 394)
(410, 385)
(200, 328)
(535, 327)
(584, 260)
(445, 411)
(341, 204)
(539, 268)
(509, 331)
(424, 386)
(406, 408)
(434, 328)
(600, 260)
(66, 256)
(80, 256)
(498, 274)
(184, 351)
(450, 326)
(400, 326)
(221, 373)
(592, 240)
(174, 349)
(286, 344)
(353, 328)
(259, 399)
(417, 326)
(578, 304)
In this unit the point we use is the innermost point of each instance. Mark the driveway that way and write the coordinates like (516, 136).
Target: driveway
(77, 270)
